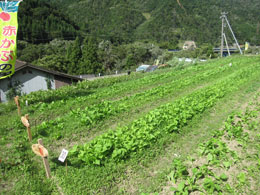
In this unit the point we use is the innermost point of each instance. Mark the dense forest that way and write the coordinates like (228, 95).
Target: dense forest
(164, 20)
(41, 22)
(89, 36)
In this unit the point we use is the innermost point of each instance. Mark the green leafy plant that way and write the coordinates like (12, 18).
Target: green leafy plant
(179, 171)
(15, 89)
(211, 186)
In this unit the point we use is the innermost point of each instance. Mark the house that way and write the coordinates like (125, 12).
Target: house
(189, 45)
(33, 78)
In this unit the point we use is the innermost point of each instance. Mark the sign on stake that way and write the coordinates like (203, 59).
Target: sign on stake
(25, 121)
(39, 150)
(62, 158)
(63, 155)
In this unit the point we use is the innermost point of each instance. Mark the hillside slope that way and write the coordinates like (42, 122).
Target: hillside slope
(164, 20)
(125, 134)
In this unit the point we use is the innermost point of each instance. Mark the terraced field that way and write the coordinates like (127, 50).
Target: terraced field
(182, 130)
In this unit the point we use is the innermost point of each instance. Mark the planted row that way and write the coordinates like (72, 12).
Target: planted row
(80, 89)
(125, 141)
(113, 89)
(204, 177)
(93, 114)
(96, 113)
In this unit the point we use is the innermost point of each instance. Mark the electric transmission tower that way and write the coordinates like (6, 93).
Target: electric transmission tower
(223, 36)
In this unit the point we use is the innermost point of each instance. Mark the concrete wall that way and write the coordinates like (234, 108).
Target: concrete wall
(32, 80)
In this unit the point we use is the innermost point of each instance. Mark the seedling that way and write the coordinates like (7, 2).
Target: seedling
(211, 186)
(179, 171)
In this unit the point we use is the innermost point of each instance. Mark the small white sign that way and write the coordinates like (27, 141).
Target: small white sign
(63, 155)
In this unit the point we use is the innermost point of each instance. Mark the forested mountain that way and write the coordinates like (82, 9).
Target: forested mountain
(164, 20)
(41, 22)
(92, 36)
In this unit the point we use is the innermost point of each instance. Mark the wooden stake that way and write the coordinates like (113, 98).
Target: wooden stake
(28, 128)
(16, 100)
(66, 165)
(45, 162)
(25, 121)
(29, 133)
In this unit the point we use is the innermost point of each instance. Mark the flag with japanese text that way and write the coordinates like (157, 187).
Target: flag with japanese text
(8, 30)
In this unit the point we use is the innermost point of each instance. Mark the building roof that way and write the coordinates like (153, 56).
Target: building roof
(189, 42)
(19, 65)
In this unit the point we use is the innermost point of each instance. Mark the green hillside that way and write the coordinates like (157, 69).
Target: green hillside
(102, 36)
(187, 129)
(165, 20)
(41, 22)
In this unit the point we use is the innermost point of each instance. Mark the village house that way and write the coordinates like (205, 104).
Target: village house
(34, 78)
(189, 45)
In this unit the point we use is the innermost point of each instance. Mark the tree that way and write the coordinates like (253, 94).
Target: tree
(74, 55)
(205, 51)
(107, 55)
(54, 62)
(89, 62)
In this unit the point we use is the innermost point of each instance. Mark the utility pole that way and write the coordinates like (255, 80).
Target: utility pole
(222, 33)
(223, 36)
(233, 35)
(226, 43)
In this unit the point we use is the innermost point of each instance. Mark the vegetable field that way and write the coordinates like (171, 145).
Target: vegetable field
(183, 130)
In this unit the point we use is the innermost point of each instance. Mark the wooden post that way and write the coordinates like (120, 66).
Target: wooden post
(222, 34)
(63, 157)
(25, 121)
(16, 100)
(66, 167)
(28, 128)
(45, 162)
(29, 133)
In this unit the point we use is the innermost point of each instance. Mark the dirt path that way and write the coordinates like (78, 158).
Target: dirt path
(107, 76)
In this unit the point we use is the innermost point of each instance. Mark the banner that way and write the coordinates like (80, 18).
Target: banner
(246, 46)
(8, 32)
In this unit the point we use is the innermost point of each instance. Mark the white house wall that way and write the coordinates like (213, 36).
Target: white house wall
(3, 88)
(32, 80)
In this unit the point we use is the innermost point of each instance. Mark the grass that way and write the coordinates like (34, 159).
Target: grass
(144, 158)
(22, 171)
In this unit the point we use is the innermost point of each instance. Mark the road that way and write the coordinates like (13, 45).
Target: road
(106, 76)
